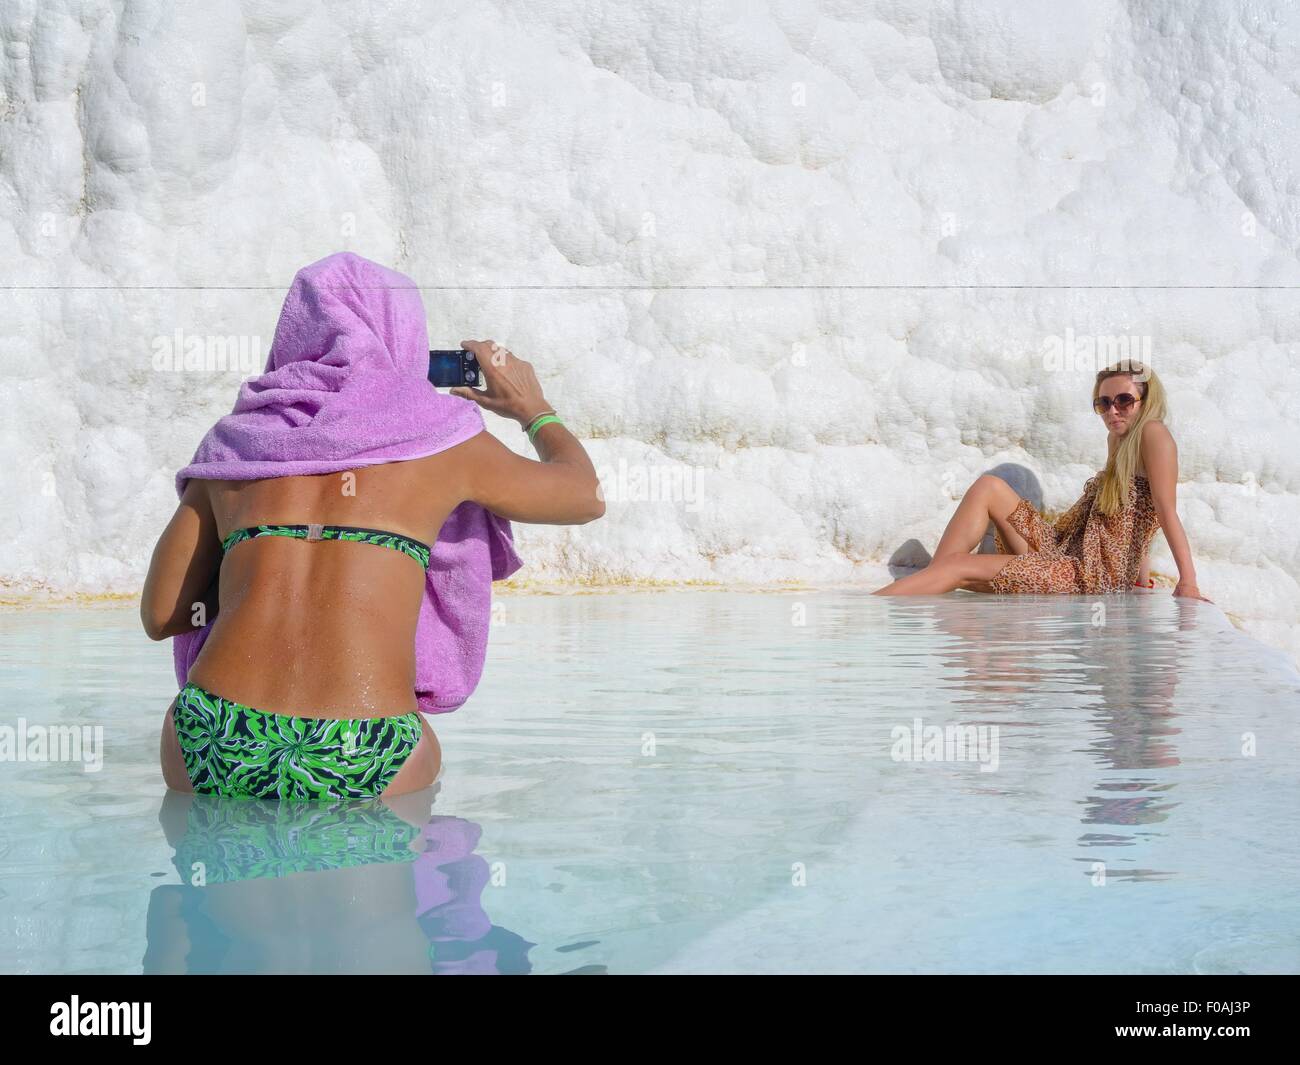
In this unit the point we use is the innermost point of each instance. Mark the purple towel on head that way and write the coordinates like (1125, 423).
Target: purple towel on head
(346, 385)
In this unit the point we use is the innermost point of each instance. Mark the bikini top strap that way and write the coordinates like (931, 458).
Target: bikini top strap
(314, 532)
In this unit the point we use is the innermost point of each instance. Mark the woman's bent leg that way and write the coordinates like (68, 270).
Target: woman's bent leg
(989, 499)
(947, 574)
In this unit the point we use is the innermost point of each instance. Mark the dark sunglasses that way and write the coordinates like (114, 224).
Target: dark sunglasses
(1122, 402)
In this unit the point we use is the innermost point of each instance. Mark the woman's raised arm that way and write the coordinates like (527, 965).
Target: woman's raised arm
(561, 489)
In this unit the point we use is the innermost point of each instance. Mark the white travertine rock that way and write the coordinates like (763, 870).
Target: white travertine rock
(165, 168)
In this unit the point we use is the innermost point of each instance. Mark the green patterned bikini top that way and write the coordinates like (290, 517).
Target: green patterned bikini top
(411, 548)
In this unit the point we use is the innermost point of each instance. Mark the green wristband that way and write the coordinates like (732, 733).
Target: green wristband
(537, 417)
(545, 419)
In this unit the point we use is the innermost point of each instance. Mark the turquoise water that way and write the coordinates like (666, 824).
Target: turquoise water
(701, 782)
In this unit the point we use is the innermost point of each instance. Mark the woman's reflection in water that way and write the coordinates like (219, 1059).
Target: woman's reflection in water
(1123, 665)
(1136, 716)
(374, 886)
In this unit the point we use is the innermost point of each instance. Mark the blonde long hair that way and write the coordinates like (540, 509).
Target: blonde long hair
(1112, 492)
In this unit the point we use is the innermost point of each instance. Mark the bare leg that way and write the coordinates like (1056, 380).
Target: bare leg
(174, 772)
(420, 769)
(971, 572)
(989, 499)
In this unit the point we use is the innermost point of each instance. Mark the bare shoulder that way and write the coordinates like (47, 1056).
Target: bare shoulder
(1157, 434)
(1157, 443)
(455, 472)
(1158, 459)
(461, 462)
(482, 442)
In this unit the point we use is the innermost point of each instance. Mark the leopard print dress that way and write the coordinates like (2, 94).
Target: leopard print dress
(1082, 552)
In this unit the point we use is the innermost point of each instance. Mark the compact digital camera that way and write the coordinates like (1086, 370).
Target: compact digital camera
(453, 369)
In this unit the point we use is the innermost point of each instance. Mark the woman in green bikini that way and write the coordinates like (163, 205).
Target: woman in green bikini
(313, 647)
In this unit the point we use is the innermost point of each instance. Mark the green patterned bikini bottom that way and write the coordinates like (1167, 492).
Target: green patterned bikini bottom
(236, 751)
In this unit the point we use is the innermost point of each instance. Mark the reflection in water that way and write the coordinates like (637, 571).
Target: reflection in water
(1110, 660)
(360, 887)
(1135, 717)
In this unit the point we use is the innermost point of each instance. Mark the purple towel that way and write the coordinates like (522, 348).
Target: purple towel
(346, 385)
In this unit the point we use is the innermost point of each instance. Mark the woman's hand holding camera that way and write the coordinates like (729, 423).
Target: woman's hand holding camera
(512, 389)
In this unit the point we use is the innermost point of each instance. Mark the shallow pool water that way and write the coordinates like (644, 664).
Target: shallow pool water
(700, 782)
